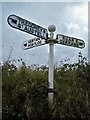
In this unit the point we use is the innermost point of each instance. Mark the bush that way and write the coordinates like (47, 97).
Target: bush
(25, 95)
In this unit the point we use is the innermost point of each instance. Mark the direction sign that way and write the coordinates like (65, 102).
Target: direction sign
(28, 27)
(70, 41)
(35, 42)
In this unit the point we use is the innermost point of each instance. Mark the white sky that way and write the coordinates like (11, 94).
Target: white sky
(70, 18)
(44, 0)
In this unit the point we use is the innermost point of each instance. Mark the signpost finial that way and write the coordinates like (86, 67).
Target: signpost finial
(51, 28)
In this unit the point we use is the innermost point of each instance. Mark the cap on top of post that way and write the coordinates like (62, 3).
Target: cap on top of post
(51, 28)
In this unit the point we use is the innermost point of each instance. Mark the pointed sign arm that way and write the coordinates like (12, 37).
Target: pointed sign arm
(27, 26)
(70, 41)
(35, 42)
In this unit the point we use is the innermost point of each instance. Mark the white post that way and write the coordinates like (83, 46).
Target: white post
(51, 29)
(51, 73)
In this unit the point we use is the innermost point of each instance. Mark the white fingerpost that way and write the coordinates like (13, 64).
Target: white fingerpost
(51, 29)
(42, 39)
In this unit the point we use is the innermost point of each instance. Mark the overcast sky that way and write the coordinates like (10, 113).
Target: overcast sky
(70, 18)
(44, 0)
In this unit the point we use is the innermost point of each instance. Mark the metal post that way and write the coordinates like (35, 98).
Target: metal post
(51, 73)
(51, 29)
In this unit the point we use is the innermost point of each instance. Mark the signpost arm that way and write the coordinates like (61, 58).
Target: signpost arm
(51, 66)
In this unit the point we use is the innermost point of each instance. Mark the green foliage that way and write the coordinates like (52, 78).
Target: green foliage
(72, 97)
(25, 92)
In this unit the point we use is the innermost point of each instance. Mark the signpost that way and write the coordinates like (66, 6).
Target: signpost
(51, 29)
(28, 27)
(42, 38)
